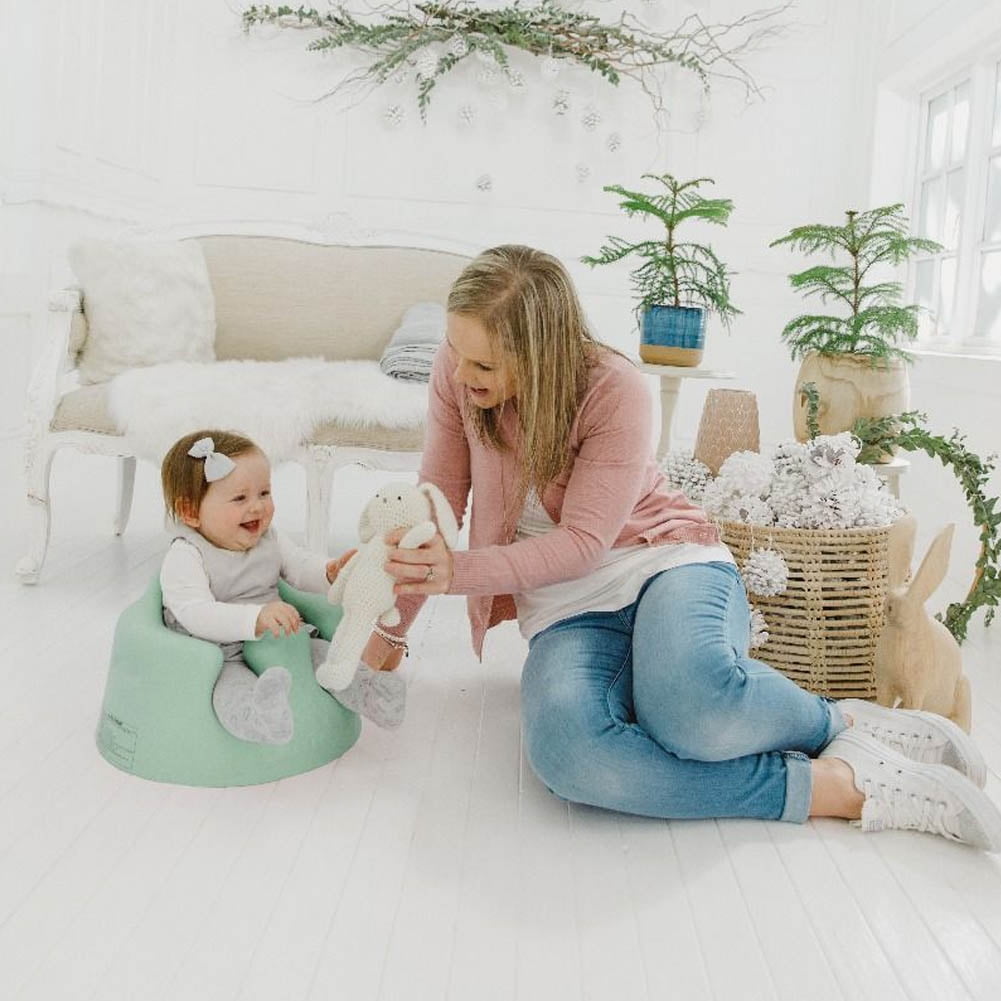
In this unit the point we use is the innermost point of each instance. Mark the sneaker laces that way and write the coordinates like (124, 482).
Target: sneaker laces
(887, 808)
(916, 746)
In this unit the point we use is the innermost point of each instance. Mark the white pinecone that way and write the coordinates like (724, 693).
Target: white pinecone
(686, 473)
(759, 629)
(766, 572)
(426, 64)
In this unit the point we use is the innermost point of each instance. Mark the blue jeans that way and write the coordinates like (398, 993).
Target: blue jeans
(657, 709)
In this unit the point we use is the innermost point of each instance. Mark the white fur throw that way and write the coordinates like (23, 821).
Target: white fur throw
(147, 302)
(277, 404)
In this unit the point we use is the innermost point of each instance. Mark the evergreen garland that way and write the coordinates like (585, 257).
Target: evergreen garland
(879, 436)
(393, 35)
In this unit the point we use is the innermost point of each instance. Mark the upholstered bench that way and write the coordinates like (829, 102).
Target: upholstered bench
(274, 299)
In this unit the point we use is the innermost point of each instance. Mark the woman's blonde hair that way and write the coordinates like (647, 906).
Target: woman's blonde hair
(527, 303)
(183, 476)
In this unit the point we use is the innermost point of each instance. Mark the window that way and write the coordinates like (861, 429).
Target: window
(958, 200)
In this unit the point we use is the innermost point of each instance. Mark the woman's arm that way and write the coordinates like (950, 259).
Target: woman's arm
(445, 463)
(607, 479)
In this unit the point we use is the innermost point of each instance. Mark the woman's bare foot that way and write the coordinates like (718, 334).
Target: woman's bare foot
(834, 792)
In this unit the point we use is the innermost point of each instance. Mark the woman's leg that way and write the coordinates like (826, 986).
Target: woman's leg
(696, 690)
(584, 742)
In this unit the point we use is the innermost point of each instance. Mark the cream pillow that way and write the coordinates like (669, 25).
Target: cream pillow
(145, 302)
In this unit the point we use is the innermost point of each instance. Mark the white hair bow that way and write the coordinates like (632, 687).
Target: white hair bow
(217, 465)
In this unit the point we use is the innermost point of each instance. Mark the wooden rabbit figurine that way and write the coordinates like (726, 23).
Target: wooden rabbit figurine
(918, 662)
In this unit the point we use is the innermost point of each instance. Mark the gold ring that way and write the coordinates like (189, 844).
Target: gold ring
(429, 576)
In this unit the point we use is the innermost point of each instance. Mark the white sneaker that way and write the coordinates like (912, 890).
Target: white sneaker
(921, 736)
(902, 794)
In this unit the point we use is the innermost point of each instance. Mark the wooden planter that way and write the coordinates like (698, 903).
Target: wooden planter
(850, 386)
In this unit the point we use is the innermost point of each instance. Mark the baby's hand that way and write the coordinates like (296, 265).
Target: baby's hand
(334, 567)
(278, 617)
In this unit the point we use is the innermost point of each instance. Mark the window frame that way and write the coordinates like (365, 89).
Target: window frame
(983, 71)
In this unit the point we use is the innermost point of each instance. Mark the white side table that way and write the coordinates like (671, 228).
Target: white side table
(670, 384)
(890, 473)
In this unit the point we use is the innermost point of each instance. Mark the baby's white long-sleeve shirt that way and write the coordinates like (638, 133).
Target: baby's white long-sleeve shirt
(188, 595)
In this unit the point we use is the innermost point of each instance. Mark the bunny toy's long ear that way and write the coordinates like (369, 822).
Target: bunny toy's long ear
(442, 513)
(933, 567)
(366, 529)
(901, 549)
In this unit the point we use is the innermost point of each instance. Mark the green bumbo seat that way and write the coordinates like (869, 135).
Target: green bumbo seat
(157, 719)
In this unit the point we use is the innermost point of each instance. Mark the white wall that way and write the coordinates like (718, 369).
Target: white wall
(128, 113)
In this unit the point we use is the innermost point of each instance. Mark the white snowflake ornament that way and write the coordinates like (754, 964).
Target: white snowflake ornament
(394, 116)
(591, 118)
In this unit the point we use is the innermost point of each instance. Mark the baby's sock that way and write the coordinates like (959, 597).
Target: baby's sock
(380, 696)
(271, 705)
(254, 708)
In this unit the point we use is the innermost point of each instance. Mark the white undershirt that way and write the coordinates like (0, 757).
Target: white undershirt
(615, 583)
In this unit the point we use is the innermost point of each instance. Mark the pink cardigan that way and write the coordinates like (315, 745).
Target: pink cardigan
(611, 495)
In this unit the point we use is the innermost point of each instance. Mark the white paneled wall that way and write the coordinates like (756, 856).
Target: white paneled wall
(127, 116)
(137, 114)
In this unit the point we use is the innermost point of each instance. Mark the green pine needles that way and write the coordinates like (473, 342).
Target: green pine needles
(872, 320)
(430, 39)
(674, 272)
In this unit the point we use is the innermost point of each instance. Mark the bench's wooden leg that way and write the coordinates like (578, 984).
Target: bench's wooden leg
(126, 484)
(319, 484)
(29, 567)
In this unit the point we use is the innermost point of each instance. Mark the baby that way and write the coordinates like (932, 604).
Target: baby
(220, 583)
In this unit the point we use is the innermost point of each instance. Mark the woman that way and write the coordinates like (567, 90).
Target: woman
(638, 693)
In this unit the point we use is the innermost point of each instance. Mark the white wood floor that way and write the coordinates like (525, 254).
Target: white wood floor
(425, 864)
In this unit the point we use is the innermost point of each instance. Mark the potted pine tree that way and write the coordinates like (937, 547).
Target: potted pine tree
(856, 356)
(677, 282)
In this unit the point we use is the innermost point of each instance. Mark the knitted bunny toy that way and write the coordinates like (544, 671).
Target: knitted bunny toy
(918, 660)
(363, 588)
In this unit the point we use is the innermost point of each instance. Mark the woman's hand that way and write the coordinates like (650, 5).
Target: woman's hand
(426, 570)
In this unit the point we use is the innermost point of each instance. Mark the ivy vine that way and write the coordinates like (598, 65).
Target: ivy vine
(881, 436)
(429, 39)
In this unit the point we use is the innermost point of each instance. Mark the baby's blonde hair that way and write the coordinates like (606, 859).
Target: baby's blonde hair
(528, 305)
(183, 476)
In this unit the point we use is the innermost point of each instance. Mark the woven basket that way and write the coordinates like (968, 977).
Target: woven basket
(823, 629)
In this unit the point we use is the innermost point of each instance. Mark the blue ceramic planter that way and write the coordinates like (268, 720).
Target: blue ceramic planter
(673, 335)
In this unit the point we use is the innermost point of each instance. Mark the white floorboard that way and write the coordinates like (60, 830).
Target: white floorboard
(428, 863)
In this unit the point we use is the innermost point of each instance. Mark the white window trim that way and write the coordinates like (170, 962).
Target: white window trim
(961, 338)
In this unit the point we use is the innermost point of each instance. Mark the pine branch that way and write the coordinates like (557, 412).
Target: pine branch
(617, 50)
